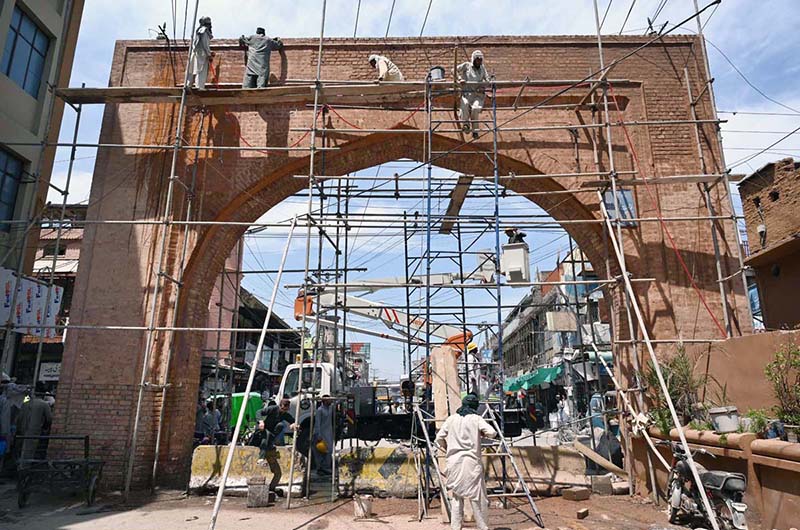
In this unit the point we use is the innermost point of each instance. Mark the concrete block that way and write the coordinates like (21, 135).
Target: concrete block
(621, 487)
(259, 496)
(583, 513)
(576, 494)
(602, 484)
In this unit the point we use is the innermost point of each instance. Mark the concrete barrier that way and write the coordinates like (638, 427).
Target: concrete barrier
(208, 461)
(383, 471)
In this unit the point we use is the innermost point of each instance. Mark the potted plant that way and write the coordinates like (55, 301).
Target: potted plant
(783, 373)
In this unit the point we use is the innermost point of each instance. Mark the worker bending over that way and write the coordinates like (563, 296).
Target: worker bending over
(201, 54)
(387, 70)
(259, 49)
(273, 422)
(461, 437)
(473, 78)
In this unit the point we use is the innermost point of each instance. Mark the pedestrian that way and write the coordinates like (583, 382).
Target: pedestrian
(323, 437)
(34, 417)
(473, 78)
(211, 420)
(461, 437)
(201, 54)
(5, 420)
(387, 70)
(259, 49)
(273, 422)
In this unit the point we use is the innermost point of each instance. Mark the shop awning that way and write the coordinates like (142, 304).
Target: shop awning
(543, 376)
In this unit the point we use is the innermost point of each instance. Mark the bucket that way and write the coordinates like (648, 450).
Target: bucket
(362, 506)
(724, 419)
(436, 73)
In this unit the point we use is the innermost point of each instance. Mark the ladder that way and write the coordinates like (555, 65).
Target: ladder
(500, 448)
(422, 419)
(497, 448)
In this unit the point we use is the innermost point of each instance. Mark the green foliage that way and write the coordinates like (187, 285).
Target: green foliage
(683, 383)
(783, 374)
(662, 419)
(759, 420)
(701, 425)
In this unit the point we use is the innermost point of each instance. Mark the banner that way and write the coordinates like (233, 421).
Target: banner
(29, 314)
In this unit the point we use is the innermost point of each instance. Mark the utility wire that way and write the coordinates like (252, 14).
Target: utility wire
(748, 158)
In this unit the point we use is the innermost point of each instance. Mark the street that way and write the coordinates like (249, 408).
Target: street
(173, 510)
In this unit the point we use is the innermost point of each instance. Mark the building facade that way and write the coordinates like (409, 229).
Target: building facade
(39, 39)
(770, 200)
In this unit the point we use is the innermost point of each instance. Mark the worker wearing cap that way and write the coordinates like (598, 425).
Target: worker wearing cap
(461, 437)
(201, 54)
(473, 78)
(323, 437)
(387, 70)
(259, 49)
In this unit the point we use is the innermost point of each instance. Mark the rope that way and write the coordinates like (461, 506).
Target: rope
(662, 223)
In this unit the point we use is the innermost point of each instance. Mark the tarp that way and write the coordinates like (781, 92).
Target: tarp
(511, 384)
(254, 404)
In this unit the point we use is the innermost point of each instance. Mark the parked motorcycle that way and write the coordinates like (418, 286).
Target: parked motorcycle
(724, 491)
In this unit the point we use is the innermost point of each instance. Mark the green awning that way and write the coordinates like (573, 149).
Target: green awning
(511, 384)
(542, 376)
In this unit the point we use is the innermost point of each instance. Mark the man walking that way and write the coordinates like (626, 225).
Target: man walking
(34, 417)
(461, 437)
(323, 437)
(473, 78)
(273, 423)
(259, 49)
(201, 54)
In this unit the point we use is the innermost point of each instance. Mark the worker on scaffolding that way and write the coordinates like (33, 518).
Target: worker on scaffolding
(259, 49)
(473, 77)
(461, 437)
(201, 54)
(387, 70)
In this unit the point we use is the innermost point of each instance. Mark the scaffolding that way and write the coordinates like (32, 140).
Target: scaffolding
(178, 217)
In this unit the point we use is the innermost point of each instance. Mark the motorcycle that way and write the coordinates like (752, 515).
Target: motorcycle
(723, 489)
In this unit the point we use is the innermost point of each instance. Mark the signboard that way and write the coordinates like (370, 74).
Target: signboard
(49, 371)
(29, 314)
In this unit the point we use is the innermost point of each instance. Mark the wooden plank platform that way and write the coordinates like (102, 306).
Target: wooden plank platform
(293, 95)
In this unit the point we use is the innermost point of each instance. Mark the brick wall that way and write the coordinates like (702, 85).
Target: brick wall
(777, 189)
(115, 279)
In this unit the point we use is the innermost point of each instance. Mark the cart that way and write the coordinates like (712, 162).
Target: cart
(75, 474)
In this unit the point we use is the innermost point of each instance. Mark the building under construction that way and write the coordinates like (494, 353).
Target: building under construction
(615, 138)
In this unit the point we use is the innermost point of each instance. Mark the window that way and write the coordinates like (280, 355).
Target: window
(50, 250)
(10, 175)
(626, 205)
(25, 52)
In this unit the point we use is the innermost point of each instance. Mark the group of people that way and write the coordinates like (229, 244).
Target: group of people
(471, 75)
(23, 414)
(275, 421)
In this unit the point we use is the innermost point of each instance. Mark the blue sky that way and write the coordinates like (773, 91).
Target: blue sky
(759, 37)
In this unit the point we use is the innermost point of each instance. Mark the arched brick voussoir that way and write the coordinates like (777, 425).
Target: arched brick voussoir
(216, 241)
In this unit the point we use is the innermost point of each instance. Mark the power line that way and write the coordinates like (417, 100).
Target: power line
(766, 149)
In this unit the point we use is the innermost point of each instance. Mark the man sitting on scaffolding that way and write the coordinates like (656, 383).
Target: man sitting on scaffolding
(473, 78)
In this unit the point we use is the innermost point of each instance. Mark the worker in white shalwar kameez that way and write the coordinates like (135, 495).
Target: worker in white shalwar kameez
(472, 75)
(201, 54)
(387, 70)
(461, 437)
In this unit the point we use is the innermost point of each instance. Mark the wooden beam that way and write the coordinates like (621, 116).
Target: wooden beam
(457, 197)
(599, 460)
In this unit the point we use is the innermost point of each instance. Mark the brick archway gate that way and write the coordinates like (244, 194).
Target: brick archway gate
(115, 279)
